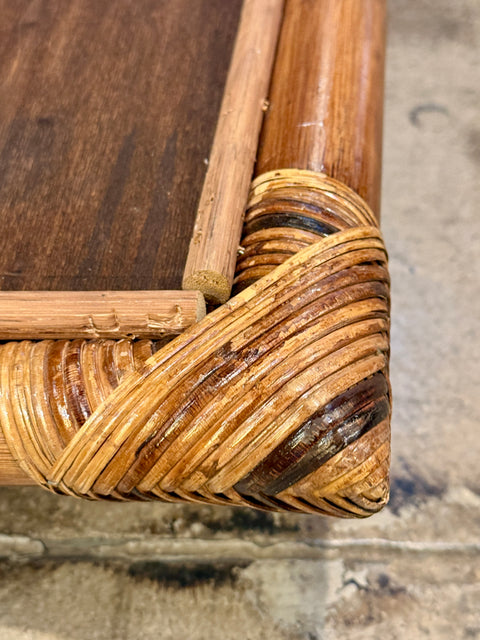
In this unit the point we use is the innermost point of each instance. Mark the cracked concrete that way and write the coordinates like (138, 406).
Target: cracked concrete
(79, 570)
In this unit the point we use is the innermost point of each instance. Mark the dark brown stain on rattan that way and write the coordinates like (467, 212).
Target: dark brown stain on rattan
(345, 419)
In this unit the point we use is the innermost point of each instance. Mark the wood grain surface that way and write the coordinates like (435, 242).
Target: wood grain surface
(107, 115)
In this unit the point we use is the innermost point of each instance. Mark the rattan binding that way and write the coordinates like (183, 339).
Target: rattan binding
(279, 399)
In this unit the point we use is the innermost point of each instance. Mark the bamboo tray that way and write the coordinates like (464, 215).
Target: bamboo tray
(278, 398)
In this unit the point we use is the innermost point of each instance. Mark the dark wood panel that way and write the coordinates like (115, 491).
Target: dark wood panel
(107, 112)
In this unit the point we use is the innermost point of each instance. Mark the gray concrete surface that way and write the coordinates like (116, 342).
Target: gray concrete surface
(75, 570)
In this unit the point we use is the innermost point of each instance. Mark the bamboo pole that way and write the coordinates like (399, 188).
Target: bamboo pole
(326, 95)
(39, 315)
(211, 259)
(324, 119)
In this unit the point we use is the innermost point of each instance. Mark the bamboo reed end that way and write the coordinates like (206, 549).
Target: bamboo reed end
(214, 286)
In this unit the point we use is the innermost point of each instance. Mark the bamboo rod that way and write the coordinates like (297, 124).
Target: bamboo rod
(323, 129)
(210, 263)
(317, 177)
(39, 315)
(326, 95)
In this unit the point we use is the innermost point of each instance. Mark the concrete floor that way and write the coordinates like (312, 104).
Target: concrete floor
(82, 571)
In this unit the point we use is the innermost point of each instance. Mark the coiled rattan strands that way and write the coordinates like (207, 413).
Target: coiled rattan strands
(49, 389)
(198, 420)
(289, 209)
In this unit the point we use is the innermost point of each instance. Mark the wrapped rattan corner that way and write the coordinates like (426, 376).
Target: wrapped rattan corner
(262, 403)
(279, 399)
